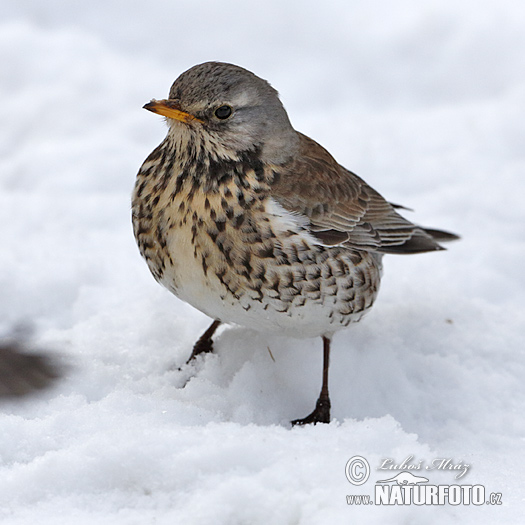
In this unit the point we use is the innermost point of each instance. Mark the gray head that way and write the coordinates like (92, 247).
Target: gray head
(230, 107)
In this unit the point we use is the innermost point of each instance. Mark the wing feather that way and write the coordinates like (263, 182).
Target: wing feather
(344, 209)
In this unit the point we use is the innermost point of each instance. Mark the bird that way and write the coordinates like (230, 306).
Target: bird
(255, 224)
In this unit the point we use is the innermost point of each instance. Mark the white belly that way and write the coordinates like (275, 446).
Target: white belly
(307, 315)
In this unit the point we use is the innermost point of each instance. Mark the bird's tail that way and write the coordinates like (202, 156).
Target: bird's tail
(440, 235)
(422, 240)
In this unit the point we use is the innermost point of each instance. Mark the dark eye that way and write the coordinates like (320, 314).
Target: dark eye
(223, 112)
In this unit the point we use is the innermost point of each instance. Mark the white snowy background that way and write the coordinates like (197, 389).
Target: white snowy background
(426, 101)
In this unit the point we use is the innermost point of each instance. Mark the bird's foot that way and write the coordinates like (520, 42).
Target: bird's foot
(321, 413)
(202, 346)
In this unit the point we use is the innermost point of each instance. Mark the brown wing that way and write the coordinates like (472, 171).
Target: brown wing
(342, 208)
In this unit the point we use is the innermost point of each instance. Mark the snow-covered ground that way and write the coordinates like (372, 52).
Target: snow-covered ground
(426, 101)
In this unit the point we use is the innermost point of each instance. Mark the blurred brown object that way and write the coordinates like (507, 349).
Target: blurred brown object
(23, 372)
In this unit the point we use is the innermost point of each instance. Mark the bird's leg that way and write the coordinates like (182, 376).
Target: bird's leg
(321, 413)
(204, 344)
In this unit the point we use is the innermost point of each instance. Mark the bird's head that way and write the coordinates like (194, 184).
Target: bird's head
(230, 110)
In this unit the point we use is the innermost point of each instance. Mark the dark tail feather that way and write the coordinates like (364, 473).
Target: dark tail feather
(423, 240)
(440, 235)
(400, 207)
(437, 235)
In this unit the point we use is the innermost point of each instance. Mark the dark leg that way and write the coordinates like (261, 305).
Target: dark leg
(321, 413)
(204, 343)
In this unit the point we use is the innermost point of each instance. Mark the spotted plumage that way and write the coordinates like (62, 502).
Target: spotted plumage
(253, 223)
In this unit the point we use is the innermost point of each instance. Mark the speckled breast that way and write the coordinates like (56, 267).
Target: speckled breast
(234, 253)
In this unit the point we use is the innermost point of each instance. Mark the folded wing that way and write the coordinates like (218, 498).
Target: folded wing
(343, 209)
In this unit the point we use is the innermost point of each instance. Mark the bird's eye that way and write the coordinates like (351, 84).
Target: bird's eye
(223, 112)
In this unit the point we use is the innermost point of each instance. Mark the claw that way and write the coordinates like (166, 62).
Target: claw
(321, 414)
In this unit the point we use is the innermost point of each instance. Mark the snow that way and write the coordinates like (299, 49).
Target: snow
(426, 101)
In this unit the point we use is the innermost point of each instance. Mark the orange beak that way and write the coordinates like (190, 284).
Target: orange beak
(170, 109)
